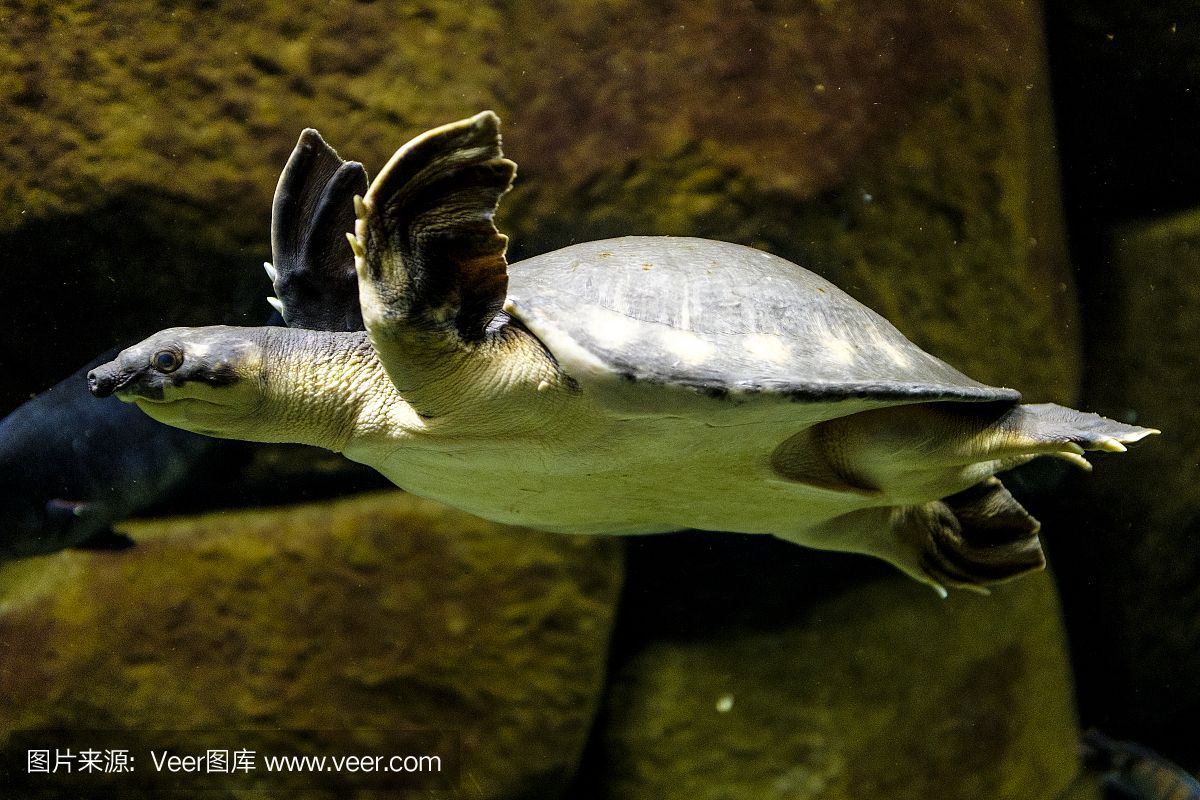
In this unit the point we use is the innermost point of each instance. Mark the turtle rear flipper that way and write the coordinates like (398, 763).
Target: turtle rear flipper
(970, 540)
(979, 536)
(1064, 431)
(910, 453)
(312, 269)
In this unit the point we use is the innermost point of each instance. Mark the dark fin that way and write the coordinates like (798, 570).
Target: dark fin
(979, 536)
(107, 540)
(64, 511)
(426, 237)
(313, 268)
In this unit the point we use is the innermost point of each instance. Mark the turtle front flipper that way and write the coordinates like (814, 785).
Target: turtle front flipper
(431, 268)
(312, 269)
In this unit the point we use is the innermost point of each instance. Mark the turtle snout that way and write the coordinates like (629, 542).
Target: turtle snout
(105, 379)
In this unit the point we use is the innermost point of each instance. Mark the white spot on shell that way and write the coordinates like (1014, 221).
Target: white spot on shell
(725, 703)
(838, 349)
(612, 330)
(766, 347)
(897, 355)
(689, 347)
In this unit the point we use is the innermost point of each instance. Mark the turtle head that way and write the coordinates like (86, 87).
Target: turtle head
(205, 380)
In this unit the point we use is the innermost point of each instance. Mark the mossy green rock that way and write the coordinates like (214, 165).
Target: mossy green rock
(883, 691)
(902, 149)
(376, 612)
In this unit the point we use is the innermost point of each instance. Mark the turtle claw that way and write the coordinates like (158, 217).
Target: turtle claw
(1075, 459)
(275, 303)
(272, 273)
(932, 582)
(1111, 438)
(1136, 434)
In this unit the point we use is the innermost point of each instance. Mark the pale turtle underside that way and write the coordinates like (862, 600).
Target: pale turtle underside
(722, 319)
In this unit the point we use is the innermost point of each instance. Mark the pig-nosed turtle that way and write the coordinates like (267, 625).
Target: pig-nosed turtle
(632, 385)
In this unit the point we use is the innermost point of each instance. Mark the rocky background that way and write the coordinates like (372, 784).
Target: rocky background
(377, 612)
(1126, 80)
(906, 152)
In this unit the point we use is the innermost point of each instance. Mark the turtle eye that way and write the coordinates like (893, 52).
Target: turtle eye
(166, 360)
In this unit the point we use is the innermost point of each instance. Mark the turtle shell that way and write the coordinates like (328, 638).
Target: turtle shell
(721, 319)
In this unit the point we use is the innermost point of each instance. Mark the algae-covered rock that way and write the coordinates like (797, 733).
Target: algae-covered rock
(903, 150)
(1137, 592)
(378, 612)
(881, 691)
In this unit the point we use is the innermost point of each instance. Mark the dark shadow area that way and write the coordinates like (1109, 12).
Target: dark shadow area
(1125, 88)
(248, 475)
(76, 285)
(1126, 83)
